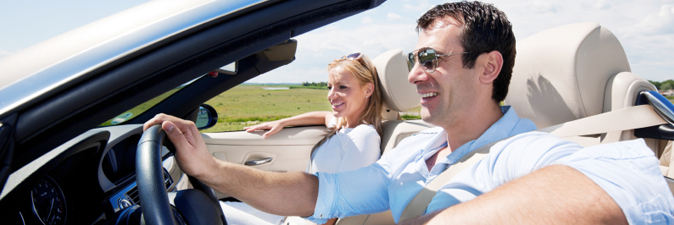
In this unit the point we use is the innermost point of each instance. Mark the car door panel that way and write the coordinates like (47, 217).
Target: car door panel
(289, 149)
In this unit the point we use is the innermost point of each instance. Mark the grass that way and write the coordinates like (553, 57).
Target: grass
(410, 117)
(246, 105)
(412, 114)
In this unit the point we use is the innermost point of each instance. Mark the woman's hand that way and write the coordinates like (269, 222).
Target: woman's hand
(310, 118)
(273, 127)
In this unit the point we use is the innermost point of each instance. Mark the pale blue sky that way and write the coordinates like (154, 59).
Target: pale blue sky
(24, 23)
(644, 27)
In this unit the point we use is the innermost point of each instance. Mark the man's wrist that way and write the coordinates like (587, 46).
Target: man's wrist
(210, 170)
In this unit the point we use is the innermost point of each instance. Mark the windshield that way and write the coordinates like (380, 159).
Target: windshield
(139, 109)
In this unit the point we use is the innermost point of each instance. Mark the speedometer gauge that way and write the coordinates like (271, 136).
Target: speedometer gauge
(48, 202)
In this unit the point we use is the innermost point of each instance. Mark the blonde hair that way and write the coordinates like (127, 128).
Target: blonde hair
(365, 72)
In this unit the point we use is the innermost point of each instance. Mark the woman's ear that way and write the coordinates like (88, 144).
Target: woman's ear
(369, 89)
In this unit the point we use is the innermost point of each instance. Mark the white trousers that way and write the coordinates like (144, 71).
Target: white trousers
(239, 213)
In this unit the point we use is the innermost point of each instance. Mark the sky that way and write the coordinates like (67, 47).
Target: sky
(645, 28)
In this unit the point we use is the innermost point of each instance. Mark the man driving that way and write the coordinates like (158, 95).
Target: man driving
(461, 66)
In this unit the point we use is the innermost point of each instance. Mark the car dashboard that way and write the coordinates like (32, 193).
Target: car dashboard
(87, 180)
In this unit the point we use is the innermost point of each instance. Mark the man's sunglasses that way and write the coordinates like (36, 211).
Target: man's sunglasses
(428, 58)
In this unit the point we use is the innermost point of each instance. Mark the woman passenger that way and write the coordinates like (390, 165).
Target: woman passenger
(354, 124)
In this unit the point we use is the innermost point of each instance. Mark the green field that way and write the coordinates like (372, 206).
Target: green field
(246, 105)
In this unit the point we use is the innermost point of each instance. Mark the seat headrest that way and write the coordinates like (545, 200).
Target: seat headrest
(561, 74)
(397, 93)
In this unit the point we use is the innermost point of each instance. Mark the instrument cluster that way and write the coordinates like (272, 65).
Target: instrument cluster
(48, 202)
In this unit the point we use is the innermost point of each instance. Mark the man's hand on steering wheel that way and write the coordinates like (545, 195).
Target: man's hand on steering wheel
(198, 206)
(191, 152)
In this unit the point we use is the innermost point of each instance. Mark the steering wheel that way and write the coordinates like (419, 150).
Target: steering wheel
(152, 192)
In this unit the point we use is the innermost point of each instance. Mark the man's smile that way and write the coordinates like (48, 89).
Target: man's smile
(429, 95)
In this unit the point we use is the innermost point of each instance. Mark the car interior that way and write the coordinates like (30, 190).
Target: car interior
(560, 75)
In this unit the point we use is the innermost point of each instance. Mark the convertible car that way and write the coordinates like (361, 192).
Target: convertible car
(72, 149)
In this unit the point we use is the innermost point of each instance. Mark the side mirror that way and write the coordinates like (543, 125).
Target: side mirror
(206, 117)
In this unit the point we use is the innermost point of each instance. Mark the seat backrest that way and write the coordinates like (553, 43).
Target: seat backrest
(570, 72)
(397, 93)
(398, 96)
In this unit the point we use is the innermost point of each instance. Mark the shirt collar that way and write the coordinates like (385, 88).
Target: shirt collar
(506, 126)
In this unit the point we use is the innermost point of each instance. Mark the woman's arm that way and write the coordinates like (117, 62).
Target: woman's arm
(310, 118)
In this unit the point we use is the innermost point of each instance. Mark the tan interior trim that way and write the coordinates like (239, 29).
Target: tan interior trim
(606, 122)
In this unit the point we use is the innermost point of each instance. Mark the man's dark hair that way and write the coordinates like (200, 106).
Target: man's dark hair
(485, 29)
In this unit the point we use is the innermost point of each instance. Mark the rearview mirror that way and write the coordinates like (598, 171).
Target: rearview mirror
(229, 69)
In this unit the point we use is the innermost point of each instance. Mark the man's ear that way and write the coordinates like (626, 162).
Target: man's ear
(492, 66)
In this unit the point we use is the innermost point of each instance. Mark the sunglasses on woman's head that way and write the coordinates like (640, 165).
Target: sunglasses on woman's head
(353, 56)
(428, 58)
(356, 56)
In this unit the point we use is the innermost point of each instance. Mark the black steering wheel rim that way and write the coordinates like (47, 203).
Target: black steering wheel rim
(150, 178)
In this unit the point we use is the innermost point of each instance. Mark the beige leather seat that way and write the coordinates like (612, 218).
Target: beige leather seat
(398, 96)
(574, 71)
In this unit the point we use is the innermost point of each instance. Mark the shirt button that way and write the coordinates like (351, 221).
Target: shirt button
(321, 215)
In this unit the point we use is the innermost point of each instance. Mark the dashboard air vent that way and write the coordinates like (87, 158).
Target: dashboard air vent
(133, 192)
(133, 195)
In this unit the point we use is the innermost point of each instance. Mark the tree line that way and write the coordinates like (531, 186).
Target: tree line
(314, 84)
(663, 86)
